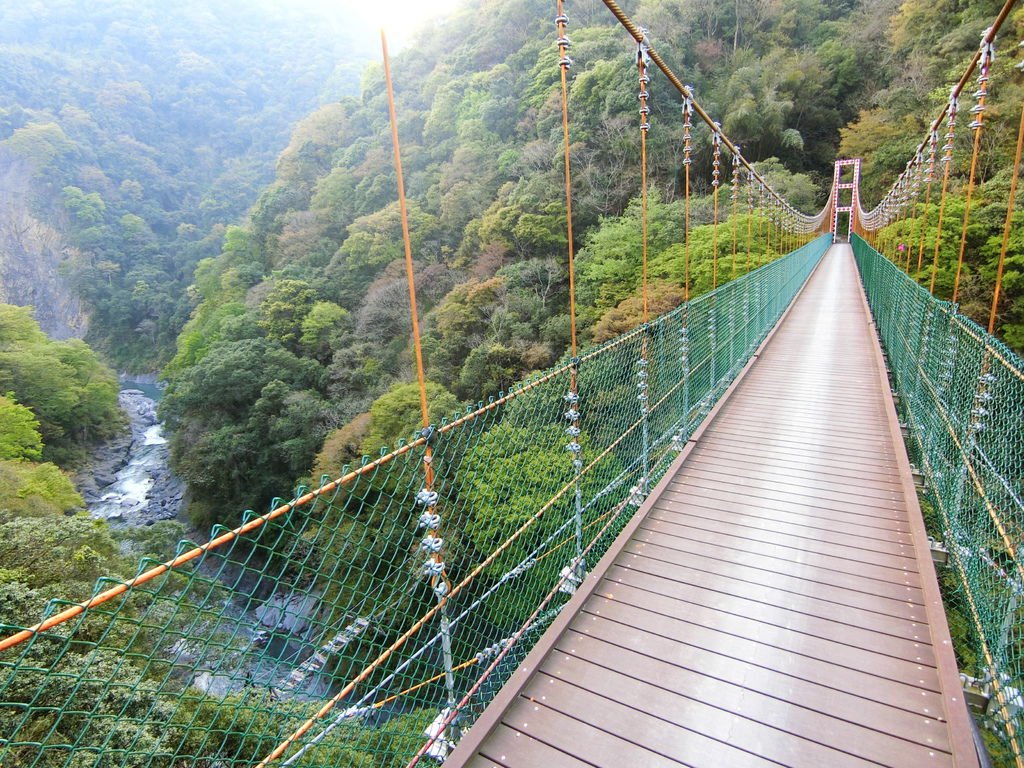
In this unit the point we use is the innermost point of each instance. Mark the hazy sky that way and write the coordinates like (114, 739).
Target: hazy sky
(398, 17)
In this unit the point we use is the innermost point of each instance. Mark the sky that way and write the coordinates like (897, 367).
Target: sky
(399, 18)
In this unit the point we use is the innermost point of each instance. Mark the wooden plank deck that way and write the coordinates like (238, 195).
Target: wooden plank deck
(772, 603)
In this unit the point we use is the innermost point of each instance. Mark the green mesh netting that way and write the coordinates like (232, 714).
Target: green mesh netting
(218, 660)
(961, 394)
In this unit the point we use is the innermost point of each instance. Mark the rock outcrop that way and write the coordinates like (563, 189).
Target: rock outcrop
(31, 252)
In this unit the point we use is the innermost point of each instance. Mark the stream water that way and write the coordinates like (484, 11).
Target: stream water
(129, 480)
(129, 483)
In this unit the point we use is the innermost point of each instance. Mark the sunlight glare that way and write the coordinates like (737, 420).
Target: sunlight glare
(399, 18)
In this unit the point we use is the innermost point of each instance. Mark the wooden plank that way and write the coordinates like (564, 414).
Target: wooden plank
(762, 521)
(783, 504)
(741, 465)
(780, 582)
(809, 568)
(511, 748)
(798, 450)
(756, 478)
(668, 690)
(654, 594)
(741, 659)
(655, 740)
(799, 461)
(823, 605)
(805, 525)
(786, 493)
(546, 722)
(652, 532)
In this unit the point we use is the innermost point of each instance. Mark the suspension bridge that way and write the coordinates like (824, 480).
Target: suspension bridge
(724, 537)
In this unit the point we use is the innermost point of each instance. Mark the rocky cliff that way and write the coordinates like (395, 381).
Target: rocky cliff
(31, 252)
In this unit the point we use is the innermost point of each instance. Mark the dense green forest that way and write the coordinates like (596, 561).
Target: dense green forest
(139, 130)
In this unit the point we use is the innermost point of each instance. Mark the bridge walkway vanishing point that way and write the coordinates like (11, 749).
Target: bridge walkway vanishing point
(773, 602)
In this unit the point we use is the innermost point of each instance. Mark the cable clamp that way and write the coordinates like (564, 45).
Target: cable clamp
(427, 520)
(441, 746)
(433, 568)
(427, 498)
(988, 49)
(643, 50)
(431, 544)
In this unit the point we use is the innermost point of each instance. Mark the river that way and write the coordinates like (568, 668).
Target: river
(128, 481)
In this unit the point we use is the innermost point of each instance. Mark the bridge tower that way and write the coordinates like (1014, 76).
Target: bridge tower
(843, 201)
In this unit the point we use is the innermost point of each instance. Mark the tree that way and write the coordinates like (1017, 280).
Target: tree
(19, 432)
(396, 415)
(69, 391)
(284, 310)
(320, 327)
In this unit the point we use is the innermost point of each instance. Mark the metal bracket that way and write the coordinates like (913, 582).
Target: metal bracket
(940, 555)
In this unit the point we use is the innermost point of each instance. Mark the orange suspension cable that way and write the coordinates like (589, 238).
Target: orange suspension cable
(976, 125)
(715, 181)
(933, 146)
(564, 63)
(403, 210)
(750, 215)
(1007, 225)
(687, 160)
(735, 195)
(947, 160)
(645, 111)
(912, 218)
(427, 498)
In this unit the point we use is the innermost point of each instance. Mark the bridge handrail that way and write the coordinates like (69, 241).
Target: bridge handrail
(961, 393)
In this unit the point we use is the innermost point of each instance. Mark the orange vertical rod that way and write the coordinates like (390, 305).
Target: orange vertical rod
(947, 161)
(715, 182)
(977, 125)
(687, 108)
(735, 208)
(933, 148)
(407, 242)
(644, 126)
(563, 49)
(1007, 225)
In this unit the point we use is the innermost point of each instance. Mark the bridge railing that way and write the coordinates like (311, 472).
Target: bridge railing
(961, 393)
(313, 635)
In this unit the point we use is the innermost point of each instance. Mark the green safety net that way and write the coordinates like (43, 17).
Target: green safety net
(320, 617)
(961, 393)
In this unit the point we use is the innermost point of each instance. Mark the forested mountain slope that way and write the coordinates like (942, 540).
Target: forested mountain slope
(302, 319)
(132, 132)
